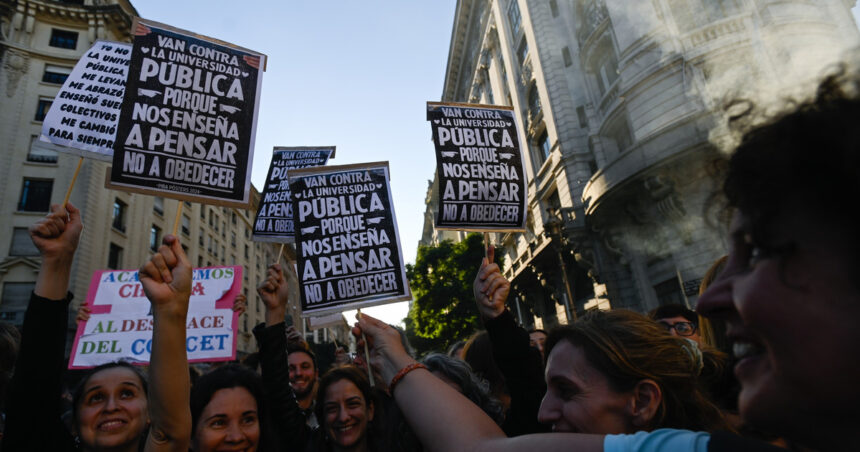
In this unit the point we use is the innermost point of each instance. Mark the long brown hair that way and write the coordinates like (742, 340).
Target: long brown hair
(628, 347)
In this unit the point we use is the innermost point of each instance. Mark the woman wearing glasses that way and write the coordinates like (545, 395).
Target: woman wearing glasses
(678, 320)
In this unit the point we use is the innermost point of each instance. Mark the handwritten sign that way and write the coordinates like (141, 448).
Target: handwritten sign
(348, 252)
(85, 112)
(274, 220)
(120, 327)
(188, 122)
(482, 184)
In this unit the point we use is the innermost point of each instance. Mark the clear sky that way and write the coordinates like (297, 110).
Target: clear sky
(346, 73)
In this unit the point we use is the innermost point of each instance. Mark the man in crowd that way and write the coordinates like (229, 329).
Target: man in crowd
(678, 320)
(537, 339)
(303, 379)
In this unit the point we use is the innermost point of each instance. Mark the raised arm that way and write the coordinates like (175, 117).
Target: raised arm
(166, 280)
(520, 363)
(33, 407)
(444, 419)
(288, 422)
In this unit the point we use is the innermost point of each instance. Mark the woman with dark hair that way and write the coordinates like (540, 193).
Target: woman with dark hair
(228, 410)
(459, 375)
(114, 408)
(345, 408)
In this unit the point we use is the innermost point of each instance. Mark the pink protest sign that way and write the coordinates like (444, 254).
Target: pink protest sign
(120, 327)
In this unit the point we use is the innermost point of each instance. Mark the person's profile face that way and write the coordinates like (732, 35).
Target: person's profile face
(347, 414)
(790, 307)
(112, 411)
(578, 397)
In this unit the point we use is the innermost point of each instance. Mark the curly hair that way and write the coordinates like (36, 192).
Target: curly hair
(805, 157)
(628, 347)
(473, 387)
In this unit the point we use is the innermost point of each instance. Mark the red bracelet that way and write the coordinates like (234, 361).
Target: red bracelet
(402, 373)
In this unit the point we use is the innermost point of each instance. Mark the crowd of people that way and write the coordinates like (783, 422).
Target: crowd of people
(764, 362)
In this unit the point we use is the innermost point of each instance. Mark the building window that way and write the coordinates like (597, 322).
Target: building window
(186, 225)
(692, 14)
(580, 114)
(158, 205)
(63, 39)
(543, 144)
(565, 55)
(42, 109)
(247, 252)
(233, 218)
(669, 292)
(119, 209)
(553, 8)
(233, 239)
(514, 17)
(16, 295)
(114, 257)
(523, 51)
(56, 74)
(209, 247)
(224, 229)
(22, 245)
(154, 238)
(534, 103)
(36, 195)
(200, 238)
(199, 261)
(606, 66)
(39, 151)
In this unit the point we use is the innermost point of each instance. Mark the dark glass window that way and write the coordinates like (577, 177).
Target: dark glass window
(523, 50)
(114, 256)
(42, 109)
(514, 17)
(15, 295)
(55, 74)
(158, 205)
(543, 143)
(36, 195)
(186, 225)
(119, 209)
(154, 238)
(64, 39)
(22, 245)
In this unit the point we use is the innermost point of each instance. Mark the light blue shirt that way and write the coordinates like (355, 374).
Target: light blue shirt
(663, 440)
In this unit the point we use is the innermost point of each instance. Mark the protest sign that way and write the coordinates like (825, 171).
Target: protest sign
(479, 166)
(274, 220)
(188, 122)
(84, 115)
(327, 321)
(120, 326)
(348, 252)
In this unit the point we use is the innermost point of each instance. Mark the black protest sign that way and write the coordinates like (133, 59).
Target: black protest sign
(85, 112)
(187, 125)
(479, 166)
(348, 252)
(274, 221)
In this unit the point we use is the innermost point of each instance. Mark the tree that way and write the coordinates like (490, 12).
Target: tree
(443, 311)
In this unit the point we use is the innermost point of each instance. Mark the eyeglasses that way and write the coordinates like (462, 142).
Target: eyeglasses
(682, 328)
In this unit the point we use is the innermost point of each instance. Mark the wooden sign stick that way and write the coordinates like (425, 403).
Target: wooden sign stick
(366, 354)
(178, 216)
(72, 184)
(487, 246)
(280, 253)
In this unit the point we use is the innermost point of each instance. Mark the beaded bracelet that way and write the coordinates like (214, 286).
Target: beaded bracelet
(402, 373)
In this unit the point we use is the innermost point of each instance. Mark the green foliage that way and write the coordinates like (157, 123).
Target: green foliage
(443, 311)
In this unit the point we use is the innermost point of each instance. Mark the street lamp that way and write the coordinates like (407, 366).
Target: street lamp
(553, 229)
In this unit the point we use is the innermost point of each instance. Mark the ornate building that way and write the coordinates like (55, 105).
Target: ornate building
(40, 42)
(619, 104)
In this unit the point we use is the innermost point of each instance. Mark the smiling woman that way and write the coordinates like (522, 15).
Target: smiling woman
(346, 407)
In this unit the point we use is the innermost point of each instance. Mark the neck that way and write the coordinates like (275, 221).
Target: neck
(360, 446)
(131, 447)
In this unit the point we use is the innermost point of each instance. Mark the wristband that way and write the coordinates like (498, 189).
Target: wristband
(402, 373)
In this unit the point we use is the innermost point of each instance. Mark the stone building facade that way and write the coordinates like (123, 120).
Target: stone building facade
(619, 104)
(40, 42)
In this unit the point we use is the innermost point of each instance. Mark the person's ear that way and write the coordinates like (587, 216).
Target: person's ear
(645, 402)
(370, 412)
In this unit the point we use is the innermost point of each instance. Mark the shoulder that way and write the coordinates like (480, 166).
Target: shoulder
(659, 440)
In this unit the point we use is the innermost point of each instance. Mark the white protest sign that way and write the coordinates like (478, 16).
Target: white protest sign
(85, 112)
(120, 326)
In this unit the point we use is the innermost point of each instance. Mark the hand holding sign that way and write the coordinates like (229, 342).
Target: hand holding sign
(274, 291)
(166, 278)
(491, 289)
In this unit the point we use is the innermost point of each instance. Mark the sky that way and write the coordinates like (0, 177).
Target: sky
(351, 74)
(356, 75)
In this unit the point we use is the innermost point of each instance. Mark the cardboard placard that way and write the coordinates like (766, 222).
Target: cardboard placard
(348, 248)
(326, 321)
(188, 122)
(84, 115)
(479, 164)
(274, 220)
(120, 326)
